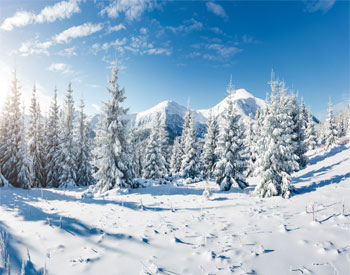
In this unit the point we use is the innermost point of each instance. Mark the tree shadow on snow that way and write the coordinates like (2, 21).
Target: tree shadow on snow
(326, 154)
(313, 187)
(8, 247)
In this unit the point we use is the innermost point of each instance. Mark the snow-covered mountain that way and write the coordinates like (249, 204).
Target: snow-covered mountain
(173, 113)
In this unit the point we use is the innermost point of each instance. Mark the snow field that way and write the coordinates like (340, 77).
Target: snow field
(172, 229)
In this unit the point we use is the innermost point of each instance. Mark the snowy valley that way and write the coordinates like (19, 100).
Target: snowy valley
(174, 229)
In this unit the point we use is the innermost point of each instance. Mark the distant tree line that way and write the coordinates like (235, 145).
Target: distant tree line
(58, 151)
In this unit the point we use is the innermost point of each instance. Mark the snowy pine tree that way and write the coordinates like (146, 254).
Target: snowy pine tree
(231, 151)
(311, 139)
(68, 149)
(16, 166)
(176, 157)
(52, 144)
(299, 126)
(164, 146)
(331, 134)
(209, 157)
(135, 151)
(277, 159)
(250, 145)
(111, 152)
(35, 143)
(154, 165)
(190, 159)
(83, 143)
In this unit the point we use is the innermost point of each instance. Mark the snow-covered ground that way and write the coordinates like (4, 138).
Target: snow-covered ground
(172, 229)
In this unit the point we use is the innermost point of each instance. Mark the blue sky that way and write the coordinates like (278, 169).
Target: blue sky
(176, 49)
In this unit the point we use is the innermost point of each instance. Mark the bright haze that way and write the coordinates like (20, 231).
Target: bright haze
(175, 50)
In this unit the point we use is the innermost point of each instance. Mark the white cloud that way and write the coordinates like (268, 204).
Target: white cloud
(132, 9)
(115, 43)
(59, 11)
(319, 5)
(223, 50)
(216, 30)
(59, 67)
(77, 31)
(143, 30)
(20, 19)
(159, 51)
(188, 26)
(216, 9)
(116, 28)
(68, 52)
(35, 47)
(248, 39)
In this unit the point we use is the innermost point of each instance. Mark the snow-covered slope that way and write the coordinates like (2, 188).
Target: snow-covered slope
(171, 229)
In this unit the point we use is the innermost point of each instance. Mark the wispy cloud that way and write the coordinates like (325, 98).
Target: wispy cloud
(77, 31)
(59, 11)
(68, 52)
(132, 9)
(35, 47)
(188, 26)
(60, 68)
(116, 28)
(318, 5)
(216, 9)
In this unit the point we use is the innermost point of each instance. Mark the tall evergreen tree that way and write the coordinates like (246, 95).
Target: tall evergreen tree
(331, 128)
(176, 157)
(164, 145)
(52, 144)
(4, 132)
(277, 159)
(190, 159)
(68, 149)
(154, 167)
(231, 151)
(16, 165)
(299, 127)
(111, 153)
(250, 145)
(311, 139)
(209, 157)
(35, 143)
(135, 151)
(83, 142)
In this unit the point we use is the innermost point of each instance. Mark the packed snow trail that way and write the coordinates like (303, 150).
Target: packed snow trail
(172, 229)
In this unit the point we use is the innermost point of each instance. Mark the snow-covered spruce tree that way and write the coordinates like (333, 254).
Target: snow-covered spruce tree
(231, 151)
(257, 144)
(311, 139)
(331, 134)
(250, 145)
(277, 159)
(135, 151)
(164, 146)
(52, 143)
(83, 157)
(111, 155)
(68, 148)
(190, 159)
(154, 164)
(299, 127)
(209, 157)
(4, 132)
(35, 143)
(176, 157)
(16, 167)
